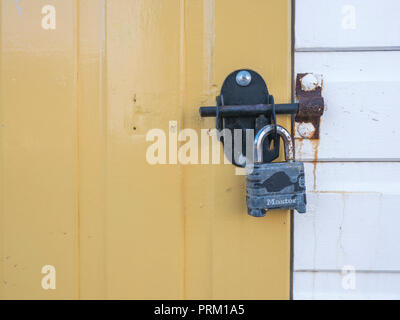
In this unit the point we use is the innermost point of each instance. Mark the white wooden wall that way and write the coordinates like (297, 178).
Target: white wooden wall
(347, 246)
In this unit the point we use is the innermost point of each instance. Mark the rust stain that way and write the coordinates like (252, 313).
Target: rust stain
(300, 148)
(311, 103)
(311, 107)
(315, 145)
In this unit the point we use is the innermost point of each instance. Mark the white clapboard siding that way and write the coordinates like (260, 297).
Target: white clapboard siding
(362, 110)
(353, 170)
(347, 177)
(353, 218)
(334, 285)
(342, 24)
(356, 229)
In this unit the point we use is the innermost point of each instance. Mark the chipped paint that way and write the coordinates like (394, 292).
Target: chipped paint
(311, 82)
(305, 129)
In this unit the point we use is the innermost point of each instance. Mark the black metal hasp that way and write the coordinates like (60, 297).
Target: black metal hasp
(245, 103)
(254, 110)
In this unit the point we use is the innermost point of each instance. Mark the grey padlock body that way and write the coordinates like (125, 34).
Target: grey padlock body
(275, 185)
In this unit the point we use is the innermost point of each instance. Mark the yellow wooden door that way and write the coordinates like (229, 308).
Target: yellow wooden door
(81, 84)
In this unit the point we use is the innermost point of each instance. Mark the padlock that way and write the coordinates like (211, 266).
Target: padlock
(275, 185)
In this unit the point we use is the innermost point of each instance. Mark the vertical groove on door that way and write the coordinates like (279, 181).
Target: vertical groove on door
(77, 30)
(182, 87)
(92, 108)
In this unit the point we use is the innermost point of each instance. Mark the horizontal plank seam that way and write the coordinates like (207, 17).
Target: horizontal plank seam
(308, 160)
(347, 49)
(340, 271)
(355, 192)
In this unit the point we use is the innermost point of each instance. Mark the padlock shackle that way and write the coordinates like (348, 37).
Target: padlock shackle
(264, 133)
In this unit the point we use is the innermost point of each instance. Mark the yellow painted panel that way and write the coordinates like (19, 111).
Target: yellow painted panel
(38, 151)
(228, 253)
(76, 189)
(169, 60)
(144, 216)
